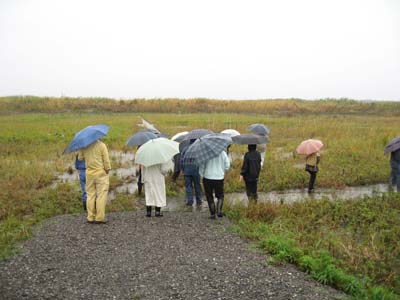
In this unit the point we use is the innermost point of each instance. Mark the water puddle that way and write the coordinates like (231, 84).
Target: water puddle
(290, 196)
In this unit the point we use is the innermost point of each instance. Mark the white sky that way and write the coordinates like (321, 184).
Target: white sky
(224, 49)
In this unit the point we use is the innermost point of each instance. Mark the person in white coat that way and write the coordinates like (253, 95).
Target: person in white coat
(153, 178)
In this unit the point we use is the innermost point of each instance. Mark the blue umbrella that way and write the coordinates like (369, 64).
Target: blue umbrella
(140, 138)
(205, 148)
(86, 136)
(259, 129)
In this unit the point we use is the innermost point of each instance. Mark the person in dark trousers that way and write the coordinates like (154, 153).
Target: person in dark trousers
(395, 169)
(81, 167)
(192, 179)
(213, 173)
(312, 162)
(251, 171)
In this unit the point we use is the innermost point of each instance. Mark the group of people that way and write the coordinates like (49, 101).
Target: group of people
(93, 164)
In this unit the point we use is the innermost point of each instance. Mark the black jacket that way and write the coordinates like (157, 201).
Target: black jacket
(251, 166)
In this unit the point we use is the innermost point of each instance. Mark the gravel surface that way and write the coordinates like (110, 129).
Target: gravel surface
(183, 255)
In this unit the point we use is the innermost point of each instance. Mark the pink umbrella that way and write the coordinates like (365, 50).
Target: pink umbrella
(310, 146)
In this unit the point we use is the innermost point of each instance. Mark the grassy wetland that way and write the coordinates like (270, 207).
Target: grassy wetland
(352, 245)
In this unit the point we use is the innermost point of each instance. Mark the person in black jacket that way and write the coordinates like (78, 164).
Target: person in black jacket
(251, 171)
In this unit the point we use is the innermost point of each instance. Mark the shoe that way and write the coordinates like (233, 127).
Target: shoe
(311, 191)
(158, 212)
(212, 217)
(90, 222)
(148, 211)
(101, 222)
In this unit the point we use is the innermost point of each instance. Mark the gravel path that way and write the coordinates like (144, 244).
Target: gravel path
(183, 255)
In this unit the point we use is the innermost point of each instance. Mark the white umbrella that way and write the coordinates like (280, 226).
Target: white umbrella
(156, 151)
(231, 132)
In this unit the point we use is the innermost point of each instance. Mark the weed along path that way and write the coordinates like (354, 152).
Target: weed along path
(183, 255)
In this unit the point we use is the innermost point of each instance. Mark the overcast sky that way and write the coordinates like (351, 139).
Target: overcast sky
(224, 49)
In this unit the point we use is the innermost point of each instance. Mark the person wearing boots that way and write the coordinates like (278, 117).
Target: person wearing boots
(251, 171)
(153, 178)
(213, 173)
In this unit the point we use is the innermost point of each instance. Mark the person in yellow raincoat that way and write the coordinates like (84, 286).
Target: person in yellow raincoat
(97, 180)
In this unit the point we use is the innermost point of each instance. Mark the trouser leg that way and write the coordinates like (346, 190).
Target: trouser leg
(197, 188)
(219, 193)
(82, 180)
(251, 190)
(313, 176)
(189, 189)
(102, 185)
(397, 179)
(208, 189)
(91, 197)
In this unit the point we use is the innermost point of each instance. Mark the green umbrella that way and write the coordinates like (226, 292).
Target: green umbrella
(156, 151)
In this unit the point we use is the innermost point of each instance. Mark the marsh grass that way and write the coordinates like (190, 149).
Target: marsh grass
(351, 245)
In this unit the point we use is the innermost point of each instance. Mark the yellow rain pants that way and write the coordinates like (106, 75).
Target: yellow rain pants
(97, 190)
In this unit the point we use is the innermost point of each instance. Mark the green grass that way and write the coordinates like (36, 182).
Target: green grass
(352, 245)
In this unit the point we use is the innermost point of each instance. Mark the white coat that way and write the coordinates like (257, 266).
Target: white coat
(154, 184)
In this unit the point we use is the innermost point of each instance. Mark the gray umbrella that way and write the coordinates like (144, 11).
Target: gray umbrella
(393, 145)
(205, 148)
(140, 138)
(259, 129)
(197, 133)
(250, 139)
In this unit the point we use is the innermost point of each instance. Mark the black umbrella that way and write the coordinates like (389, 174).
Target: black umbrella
(197, 133)
(250, 139)
(393, 145)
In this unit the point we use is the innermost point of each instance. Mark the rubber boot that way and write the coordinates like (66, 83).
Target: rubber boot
(211, 206)
(219, 207)
(148, 209)
(158, 212)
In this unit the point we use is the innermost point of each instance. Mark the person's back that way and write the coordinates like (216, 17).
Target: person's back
(96, 157)
(216, 167)
(251, 165)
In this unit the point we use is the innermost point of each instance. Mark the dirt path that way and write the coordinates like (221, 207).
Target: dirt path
(183, 255)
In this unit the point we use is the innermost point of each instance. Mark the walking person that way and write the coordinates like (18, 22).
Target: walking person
(395, 169)
(153, 178)
(213, 173)
(97, 181)
(251, 171)
(312, 162)
(81, 167)
(192, 180)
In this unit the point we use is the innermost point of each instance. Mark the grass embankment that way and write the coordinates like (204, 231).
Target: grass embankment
(351, 245)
